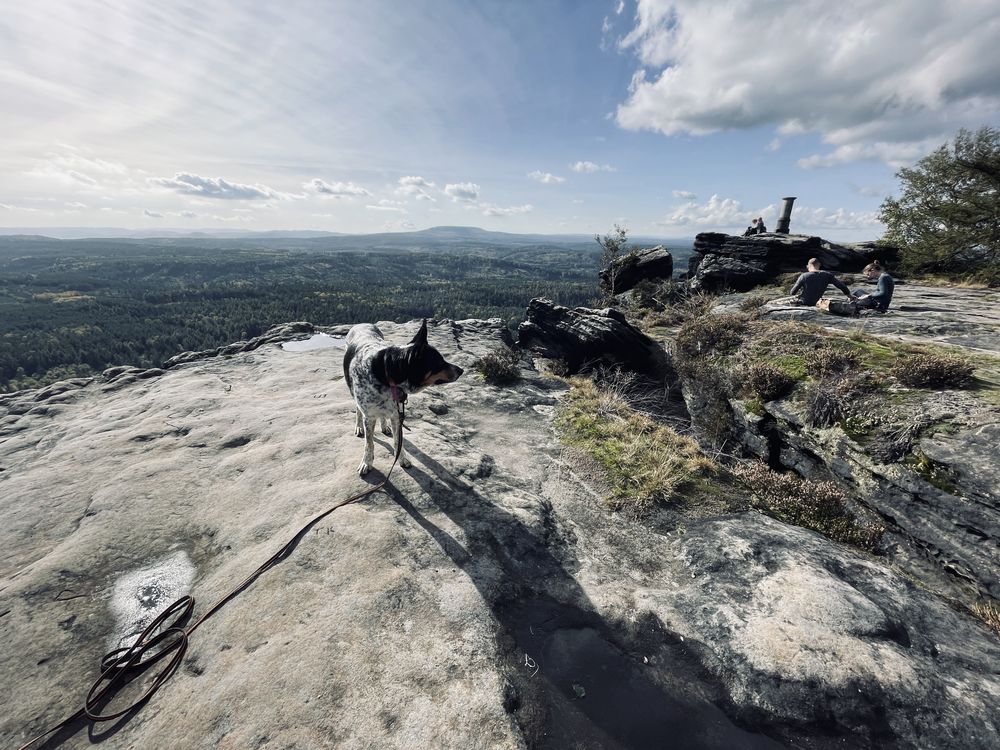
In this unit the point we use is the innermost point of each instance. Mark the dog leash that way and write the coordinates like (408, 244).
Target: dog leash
(123, 665)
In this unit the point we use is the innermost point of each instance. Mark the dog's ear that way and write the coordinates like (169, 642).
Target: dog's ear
(421, 338)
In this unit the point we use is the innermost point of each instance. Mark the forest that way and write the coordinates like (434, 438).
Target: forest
(75, 307)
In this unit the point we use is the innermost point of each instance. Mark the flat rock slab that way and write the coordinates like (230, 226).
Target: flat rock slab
(485, 599)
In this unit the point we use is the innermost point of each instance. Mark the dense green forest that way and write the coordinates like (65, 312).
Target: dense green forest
(75, 307)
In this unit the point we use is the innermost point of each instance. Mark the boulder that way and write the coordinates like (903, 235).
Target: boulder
(583, 338)
(652, 264)
(724, 261)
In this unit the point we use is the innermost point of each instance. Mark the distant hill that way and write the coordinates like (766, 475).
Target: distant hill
(436, 237)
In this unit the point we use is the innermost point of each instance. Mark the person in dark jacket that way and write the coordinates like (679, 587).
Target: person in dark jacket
(811, 285)
(886, 285)
(759, 221)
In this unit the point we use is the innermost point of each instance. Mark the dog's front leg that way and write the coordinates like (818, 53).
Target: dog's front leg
(359, 429)
(369, 457)
(397, 432)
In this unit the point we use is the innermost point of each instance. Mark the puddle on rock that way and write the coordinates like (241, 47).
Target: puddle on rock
(316, 341)
(141, 595)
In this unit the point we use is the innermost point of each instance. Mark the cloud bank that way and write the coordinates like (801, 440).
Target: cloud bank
(877, 79)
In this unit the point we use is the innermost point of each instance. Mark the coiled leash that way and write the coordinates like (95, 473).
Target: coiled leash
(123, 665)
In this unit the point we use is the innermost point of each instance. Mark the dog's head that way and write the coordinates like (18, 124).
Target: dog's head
(419, 365)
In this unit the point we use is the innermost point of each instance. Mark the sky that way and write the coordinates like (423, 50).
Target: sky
(669, 118)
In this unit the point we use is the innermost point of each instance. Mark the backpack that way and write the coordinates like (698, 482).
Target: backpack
(844, 308)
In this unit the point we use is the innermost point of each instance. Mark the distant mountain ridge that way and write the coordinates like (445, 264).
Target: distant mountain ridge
(438, 235)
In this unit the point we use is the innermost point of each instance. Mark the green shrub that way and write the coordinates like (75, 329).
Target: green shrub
(819, 506)
(766, 381)
(500, 366)
(719, 334)
(933, 371)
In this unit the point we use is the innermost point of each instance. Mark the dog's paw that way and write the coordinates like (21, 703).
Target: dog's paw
(405, 462)
(386, 429)
(364, 468)
(359, 432)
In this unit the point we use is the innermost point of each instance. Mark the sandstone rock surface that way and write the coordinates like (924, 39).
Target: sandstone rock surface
(583, 338)
(651, 264)
(486, 599)
(727, 262)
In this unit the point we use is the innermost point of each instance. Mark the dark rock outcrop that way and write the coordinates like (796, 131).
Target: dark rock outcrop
(583, 338)
(724, 261)
(653, 264)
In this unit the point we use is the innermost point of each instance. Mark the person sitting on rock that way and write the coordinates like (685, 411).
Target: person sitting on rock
(759, 221)
(752, 229)
(810, 287)
(879, 301)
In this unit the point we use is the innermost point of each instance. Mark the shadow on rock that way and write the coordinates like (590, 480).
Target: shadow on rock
(575, 677)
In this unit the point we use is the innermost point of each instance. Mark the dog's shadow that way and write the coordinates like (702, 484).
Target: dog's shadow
(576, 678)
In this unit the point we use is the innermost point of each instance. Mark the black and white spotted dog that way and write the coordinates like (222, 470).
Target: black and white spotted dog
(379, 375)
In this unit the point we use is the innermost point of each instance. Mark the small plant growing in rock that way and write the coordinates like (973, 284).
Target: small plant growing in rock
(933, 371)
(500, 366)
(820, 506)
(823, 407)
(719, 334)
(829, 361)
(753, 302)
(989, 613)
(766, 382)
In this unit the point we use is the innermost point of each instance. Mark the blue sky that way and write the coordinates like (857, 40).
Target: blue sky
(544, 116)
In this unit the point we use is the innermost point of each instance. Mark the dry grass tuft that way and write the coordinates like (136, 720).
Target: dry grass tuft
(645, 463)
(989, 613)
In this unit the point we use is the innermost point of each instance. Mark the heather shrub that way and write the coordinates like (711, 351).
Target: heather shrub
(766, 381)
(828, 361)
(753, 303)
(500, 366)
(704, 335)
(933, 370)
(820, 506)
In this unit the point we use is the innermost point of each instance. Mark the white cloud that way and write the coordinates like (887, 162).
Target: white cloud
(188, 215)
(894, 154)
(723, 214)
(76, 205)
(491, 210)
(387, 205)
(462, 191)
(326, 189)
(774, 145)
(236, 217)
(416, 187)
(716, 212)
(620, 8)
(894, 73)
(186, 183)
(685, 194)
(588, 167)
(546, 178)
(152, 214)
